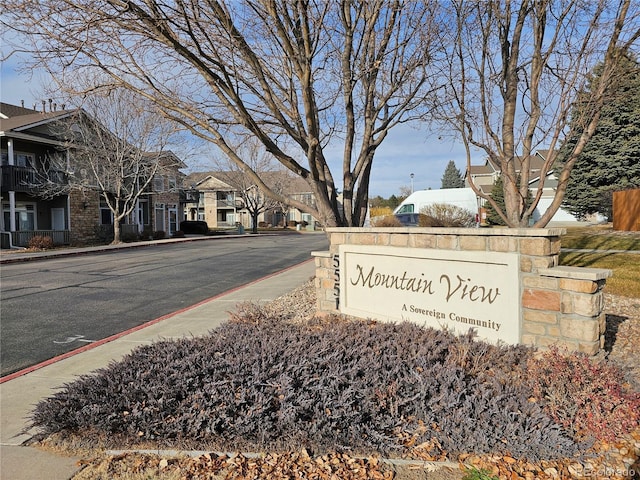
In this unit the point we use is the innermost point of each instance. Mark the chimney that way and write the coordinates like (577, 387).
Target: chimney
(50, 104)
(44, 106)
(55, 107)
(22, 103)
(63, 106)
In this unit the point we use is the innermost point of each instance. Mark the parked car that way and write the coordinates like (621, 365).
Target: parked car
(408, 219)
(194, 226)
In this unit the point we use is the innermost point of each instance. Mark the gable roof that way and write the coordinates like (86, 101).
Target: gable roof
(7, 110)
(24, 123)
(486, 169)
(233, 180)
(535, 166)
(205, 181)
(166, 158)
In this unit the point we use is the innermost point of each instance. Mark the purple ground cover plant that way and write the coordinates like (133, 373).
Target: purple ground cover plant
(355, 386)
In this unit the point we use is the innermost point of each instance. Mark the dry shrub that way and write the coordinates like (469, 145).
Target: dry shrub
(388, 221)
(380, 211)
(427, 221)
(583, 394)
(41, 242)
(445, 215)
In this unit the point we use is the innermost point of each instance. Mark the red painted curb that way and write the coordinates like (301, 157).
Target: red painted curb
(103, 341)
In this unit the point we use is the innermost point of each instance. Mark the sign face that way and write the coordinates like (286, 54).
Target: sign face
(434, 288)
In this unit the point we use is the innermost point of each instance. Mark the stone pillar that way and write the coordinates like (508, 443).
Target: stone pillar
(565, 306)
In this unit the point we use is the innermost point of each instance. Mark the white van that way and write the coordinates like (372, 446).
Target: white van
(460, 197)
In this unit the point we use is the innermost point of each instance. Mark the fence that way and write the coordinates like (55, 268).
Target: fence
(21, 239)
(626, 210)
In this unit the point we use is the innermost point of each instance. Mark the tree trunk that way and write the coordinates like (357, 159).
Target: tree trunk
(254, 221)
(116, 233)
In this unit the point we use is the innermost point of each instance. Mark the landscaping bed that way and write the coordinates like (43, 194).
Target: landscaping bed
(347, 394)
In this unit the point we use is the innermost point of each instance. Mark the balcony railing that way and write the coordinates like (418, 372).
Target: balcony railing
(223, 202)
(25, 179)
(22, 238)
(17, 179)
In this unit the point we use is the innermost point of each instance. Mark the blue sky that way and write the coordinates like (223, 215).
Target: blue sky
(406, 150)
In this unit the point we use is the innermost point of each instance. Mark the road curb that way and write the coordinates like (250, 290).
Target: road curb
(116, 336)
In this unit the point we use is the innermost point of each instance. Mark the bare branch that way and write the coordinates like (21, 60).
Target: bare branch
(114, 145)
(514, 76)
(317, 74)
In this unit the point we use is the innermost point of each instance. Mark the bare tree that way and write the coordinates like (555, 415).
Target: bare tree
(300, 76)
(515, 71)
(405, 191)
(115, 146)
(254, 198)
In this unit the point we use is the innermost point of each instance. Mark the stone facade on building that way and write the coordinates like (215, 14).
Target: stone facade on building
(32, 150)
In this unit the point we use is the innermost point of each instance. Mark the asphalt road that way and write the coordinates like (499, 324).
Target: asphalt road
(53, 306)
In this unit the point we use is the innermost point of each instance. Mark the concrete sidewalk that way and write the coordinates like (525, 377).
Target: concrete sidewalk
(19, 395)
(23, 255)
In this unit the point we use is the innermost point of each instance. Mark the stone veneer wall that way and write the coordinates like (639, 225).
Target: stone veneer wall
(85, 215)
(558, 305)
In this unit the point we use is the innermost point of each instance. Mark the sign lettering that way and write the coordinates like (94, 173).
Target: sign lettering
(436, 288)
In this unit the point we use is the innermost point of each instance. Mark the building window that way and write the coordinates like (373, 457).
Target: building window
(25, 217)
(173, 184)
(106, 216)
(172, 210)
(193, 196)
(20, 159)
(143, 212)
(158, 183)
(24, 160)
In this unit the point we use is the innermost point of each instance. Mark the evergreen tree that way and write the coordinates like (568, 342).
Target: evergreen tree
(611, 159)
(393, 201)
(452, 178)
(497, 193)
(377, 202)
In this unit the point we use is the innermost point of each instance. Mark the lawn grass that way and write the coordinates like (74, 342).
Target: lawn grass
(626, 269)
(600, 237)
(625, 266)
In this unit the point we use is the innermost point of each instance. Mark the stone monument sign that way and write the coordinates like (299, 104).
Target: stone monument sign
(455, 290)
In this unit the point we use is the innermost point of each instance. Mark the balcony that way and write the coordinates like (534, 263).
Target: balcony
(22, 238)
(23, 179)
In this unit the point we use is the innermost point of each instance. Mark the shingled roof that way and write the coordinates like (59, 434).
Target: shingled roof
(23, 120)
(224, 179)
